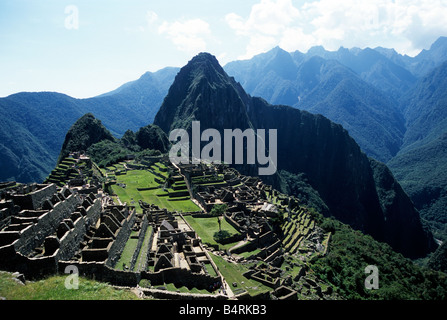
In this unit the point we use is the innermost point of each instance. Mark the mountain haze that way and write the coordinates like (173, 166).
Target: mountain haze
(421, 163)
(34, 124)
(32, 134)
(341, 105)
(326, 86)
(309, 144)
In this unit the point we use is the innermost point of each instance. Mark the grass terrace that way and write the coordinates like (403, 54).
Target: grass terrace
(65, 171)
(53, 288)
(142, 255)
(128, 251)
(206, 227)
(208, 180)
(296, 230)
(233, 273)
(142, 185)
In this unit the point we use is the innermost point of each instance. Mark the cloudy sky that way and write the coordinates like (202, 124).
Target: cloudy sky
(87, 47)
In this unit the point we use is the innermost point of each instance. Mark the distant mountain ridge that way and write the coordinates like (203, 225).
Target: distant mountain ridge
(391, 104)
(32, 152)
(421, 164)
(310, 144)
(358, 88)
(33, 124)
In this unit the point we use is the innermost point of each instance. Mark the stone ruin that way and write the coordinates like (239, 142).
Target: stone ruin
(250, 206)
(46, 225)
(176, 245)
(44, 228)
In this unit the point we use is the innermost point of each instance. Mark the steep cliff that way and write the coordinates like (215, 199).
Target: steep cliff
(310, 144)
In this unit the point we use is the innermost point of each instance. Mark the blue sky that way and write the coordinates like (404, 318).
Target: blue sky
(87, 47)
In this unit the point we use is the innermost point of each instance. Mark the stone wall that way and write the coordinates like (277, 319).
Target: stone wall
(121, 239)
(34, 235)
(170, 295)
(32, 268)
(263, 240)
(69, 243)
(141, 237)
(101, 272)
(60, 230)
(180, 276)
(34, 199)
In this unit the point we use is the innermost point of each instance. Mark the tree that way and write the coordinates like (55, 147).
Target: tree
(219, 210)
(221, 235)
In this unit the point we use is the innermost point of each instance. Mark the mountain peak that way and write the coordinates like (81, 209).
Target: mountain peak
(440, 42)
(202, 59)
(316, 50)
(86, 131)
(192, 96)
(202, 67)
(204, 56)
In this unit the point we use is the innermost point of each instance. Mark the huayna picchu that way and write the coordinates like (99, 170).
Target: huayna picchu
(118, 210)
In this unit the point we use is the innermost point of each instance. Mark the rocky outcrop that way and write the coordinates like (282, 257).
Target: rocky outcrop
(85, 132)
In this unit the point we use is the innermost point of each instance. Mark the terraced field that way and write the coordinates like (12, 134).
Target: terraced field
(65, 171)
(296, 229)
(206, 227)
(147, 185)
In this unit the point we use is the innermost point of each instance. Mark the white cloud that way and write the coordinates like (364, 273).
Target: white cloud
(296, 39)
(269, 17)
(407, 25)
(151, 17)
(188, 36)
(258, 43)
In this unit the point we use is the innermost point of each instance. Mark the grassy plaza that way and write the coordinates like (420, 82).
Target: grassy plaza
(138, 185)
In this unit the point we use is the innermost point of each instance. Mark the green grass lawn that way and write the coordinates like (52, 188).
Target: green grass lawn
(156, 169)
(233, 272)
(183, 289)
(144, 248)
(206, 227)
(144, 179)
(247, 254)
(53, 288)
(126, 255)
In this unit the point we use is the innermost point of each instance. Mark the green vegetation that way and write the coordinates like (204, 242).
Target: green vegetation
(298, 185)
(218, 210)
(134, 180)
(207, 227)
(350, 252)
(107, 152)
(221, 236)
(233, 273)
(421, 172)
(53, 288)
(144, 249)
(85, 132)
(153, 138)
(128, 251)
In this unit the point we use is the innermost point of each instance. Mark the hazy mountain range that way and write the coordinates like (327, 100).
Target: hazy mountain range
(312, 149)
(391, 106)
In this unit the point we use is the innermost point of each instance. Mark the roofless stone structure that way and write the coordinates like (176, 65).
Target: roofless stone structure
(44, 228)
